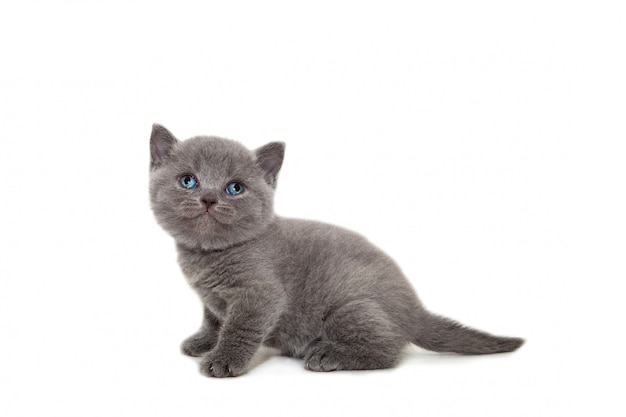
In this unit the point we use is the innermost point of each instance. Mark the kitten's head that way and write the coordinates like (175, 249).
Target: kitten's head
(212, 193)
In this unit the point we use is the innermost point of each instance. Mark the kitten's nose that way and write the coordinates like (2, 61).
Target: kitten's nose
(209, 201)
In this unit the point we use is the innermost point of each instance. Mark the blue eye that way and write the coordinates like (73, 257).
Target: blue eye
(234, 188)
(188, 181)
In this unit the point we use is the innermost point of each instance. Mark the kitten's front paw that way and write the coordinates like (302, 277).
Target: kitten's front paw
(221, 365)
(197, 345)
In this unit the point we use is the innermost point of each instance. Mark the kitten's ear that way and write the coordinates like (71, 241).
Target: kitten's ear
(161, 143)
(270, 159)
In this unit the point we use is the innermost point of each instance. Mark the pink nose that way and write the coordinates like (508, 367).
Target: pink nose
(209, 201)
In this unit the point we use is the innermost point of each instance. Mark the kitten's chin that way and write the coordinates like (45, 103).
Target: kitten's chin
(205, 226)
(208, 233)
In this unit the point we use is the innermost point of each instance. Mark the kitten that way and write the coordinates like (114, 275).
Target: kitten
(311, 290)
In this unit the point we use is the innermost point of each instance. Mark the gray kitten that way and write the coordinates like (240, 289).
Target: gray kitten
(311, 290)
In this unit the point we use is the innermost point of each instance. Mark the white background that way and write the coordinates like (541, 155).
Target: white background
(480, 144)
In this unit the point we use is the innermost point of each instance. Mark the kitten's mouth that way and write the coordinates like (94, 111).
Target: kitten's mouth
(205, 215)
(208, 216)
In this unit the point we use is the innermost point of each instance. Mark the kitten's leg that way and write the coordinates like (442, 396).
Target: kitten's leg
(357, 335)
(205, 338)
(250, 317)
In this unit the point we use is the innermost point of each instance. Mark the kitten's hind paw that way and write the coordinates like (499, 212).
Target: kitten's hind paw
(332, 356)
(322, 358)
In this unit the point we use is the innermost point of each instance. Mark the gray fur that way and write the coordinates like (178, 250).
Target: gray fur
(311, 290)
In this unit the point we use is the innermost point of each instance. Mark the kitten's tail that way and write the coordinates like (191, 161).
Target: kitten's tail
(441, 334)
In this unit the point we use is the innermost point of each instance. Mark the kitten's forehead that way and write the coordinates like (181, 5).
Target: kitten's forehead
(210, 155)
